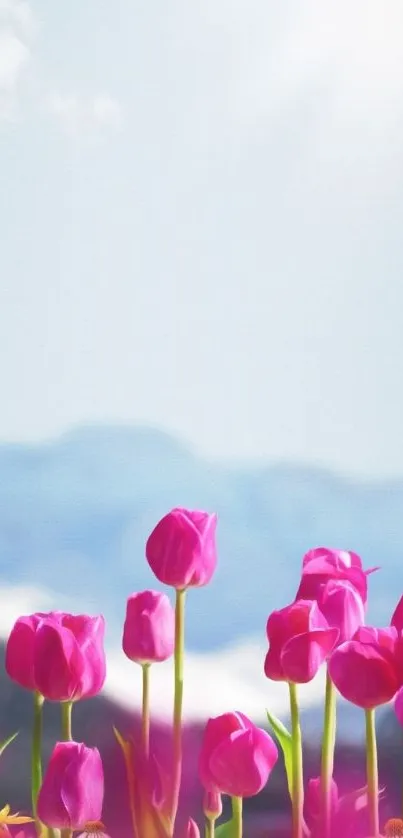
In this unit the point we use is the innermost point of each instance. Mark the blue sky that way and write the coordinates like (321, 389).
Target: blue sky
(201, 207)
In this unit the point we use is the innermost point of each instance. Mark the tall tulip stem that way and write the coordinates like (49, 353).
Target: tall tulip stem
(237, 816)
(178, 698)
(66, 710)
(210, 828)
(328, 743)
(297, 768)
(36, 755)
(145, 712)
(372, 772)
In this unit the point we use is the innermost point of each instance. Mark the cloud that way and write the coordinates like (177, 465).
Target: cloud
(85, 118)
(16, 29)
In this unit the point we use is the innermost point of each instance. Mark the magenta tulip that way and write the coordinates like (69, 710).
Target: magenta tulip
(69, 657)
(149, 629)
(236, 757)
(181, 550)
(365, 669)
(20, 648)
(300, 640)
(322, 564)
(72, 791)
(342, 606)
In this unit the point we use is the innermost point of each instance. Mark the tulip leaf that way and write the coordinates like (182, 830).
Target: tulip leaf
(227, 830)
(285, 741)
(7, 742)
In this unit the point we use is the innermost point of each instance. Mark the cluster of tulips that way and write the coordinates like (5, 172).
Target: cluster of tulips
(60, 657)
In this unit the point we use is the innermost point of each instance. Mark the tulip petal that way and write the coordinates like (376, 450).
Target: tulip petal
(364, 673)
(241, 763)
(303, 655)
(59, 663)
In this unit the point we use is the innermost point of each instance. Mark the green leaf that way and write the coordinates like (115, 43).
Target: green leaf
(7, 742)
(226, 830)
(285, 741)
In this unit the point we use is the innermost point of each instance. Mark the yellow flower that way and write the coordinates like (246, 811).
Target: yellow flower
(7, 818)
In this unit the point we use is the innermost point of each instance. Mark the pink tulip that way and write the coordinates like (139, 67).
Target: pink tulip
(181, 550)
(69, 657)
(191, 829)
(322, 564)
(236, 757)
(20, 648)
(72, 791)
(342, 606)
(365, 670)
(149, 629)
(300, 639)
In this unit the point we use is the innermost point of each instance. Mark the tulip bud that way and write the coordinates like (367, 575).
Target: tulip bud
(191, 829)
(212, 805)
(72, 791)
(365, 670)
(149, 629)
(181, 550)
(236, 757)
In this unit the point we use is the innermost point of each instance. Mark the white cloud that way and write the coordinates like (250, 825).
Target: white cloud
(86, 118)
(16, 29)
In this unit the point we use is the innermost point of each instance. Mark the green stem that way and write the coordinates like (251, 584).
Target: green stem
(372, 772)
(178, 699)
(328, 743)
(210, 827)
(297, 769)
(66, 709)
(237, 817)
(36, 756)
(145, 714)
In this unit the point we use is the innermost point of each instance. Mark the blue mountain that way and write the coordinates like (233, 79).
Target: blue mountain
(75, 514)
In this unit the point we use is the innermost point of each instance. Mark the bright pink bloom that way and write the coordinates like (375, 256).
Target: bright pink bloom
(72, 791)
(365, 670)
(236, 757)
(212, 804)
(69, 657)
(322, 563)
(342, 606)
(20, 648)
(191, 829)
(300, 639)
(181, 550)
(149, 629)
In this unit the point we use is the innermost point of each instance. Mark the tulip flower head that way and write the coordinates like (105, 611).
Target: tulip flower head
(69, 657)
(181, 550)
(365, 669)
(236, 757)
(149, 629)
(20, 647)
(322, 564)
(72, 791)
(300, 640)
